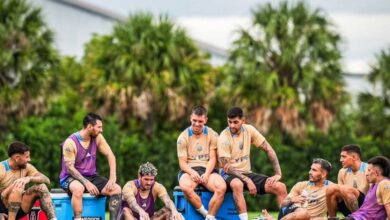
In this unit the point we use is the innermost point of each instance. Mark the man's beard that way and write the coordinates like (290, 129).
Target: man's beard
(22, 166)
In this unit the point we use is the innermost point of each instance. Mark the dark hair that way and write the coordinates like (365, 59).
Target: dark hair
(199, 110)
(352, 148)
(326, 165)
(235, 112)
(91, 118)
(382, 163)
(17, 147)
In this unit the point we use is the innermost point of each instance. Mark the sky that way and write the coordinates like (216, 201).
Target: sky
(363, 25)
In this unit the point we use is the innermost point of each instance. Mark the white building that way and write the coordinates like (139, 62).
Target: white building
(75, 22)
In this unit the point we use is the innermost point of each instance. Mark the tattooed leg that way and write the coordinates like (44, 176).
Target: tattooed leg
(15, 200)
(13, 210)
(113, 205)
(46, 202)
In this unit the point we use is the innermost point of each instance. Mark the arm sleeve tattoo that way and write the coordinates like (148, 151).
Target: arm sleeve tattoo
(40, 178)
(272, 157)
(287, 201)
(224, 161)
(130, 199)
(168, 202)
(75, 173)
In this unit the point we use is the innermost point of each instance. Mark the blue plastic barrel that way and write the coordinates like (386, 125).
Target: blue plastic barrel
(94, 208)
(227, 211)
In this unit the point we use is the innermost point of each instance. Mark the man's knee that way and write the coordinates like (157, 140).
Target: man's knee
(186, 189)
(237, 186)
(115, 190)
(218, 184)
(42, 188)
(77, 190)
(220, 188)
(186, 186)
(277, 188)
(332, 190)
(349, 192)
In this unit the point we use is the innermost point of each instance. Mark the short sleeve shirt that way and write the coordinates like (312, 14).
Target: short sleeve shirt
(196, 148)
(237, 147)
(383, 192)
(316, 197)
(357, 180)
(8, 175)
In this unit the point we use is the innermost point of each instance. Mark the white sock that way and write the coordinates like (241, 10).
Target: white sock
(78, 218)
(210, 217)
(202, 211)
(243, 216)
(53, 219)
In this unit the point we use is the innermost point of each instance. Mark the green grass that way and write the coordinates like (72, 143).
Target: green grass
(251, 215)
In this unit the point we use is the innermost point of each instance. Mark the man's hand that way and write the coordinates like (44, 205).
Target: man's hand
(176, 216)
(205, 178)
(226, 167)
(3, 216)
(21, 182)
(251, 186)
(273, 179)
(143, 215)
(110, 184)
(92, 189)
(195, 177)
(299, 199)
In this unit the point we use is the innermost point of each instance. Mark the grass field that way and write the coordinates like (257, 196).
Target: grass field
(251, 215)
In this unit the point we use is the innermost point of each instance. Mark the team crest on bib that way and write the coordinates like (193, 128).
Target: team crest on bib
(199, 147)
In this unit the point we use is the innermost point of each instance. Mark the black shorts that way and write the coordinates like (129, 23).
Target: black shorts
(99, 181)
(3, 209)
(285, 210)
(258, 180)
(199, 170)
(342, 207)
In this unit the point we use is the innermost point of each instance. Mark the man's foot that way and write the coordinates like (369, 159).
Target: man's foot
(266, 215)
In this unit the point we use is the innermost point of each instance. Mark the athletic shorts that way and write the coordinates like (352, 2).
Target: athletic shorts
(342, 207)
(99, 181)
(3, 209)
(258, 179)
(285, 210)
(199, 170)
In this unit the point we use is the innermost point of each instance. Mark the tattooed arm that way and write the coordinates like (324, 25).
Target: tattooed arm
(39, 178)
(74, 172)
(69, 153)
(224, 161)
(163, 195)
(129, 191)
(32, 175)
(274, 162)
(287, 201)
(272, 157)
(92, 189)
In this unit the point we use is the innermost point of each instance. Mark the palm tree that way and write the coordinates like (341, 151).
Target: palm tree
(27, 57)
(285, 69)
(147, 69)
(373, 115)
